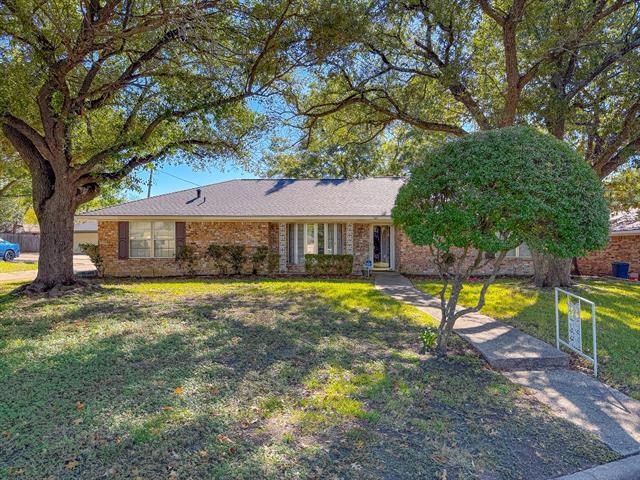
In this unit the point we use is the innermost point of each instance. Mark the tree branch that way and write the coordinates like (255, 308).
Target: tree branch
(485, 286)
(612, 154)
(4, 189)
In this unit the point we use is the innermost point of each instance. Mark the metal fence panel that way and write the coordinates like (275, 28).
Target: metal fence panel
(574, 326)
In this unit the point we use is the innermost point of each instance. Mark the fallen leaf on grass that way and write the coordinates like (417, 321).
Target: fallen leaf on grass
(178, 391)
(77, 421)
(223, 438)
(166, 408)
(71, 464)
(79, 405)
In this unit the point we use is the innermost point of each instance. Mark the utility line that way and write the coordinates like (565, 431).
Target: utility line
(150, 182)
(178, 178)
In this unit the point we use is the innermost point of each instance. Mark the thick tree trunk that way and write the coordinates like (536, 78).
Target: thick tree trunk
(550, 271)
(55, 264)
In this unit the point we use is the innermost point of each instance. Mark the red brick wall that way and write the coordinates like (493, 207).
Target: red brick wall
(416, 259)
(621, 248)
(409, 258)
(273, 237)
(199, 234)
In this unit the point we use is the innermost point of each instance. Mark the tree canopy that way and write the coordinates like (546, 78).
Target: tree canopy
(489, 192)
(622, 189)
(94, 89)
(492, 191)
(453, 67)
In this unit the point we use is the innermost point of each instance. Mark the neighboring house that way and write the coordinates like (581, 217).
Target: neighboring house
(290, 217)
(28, 236)
(624, 246)
(84, 232)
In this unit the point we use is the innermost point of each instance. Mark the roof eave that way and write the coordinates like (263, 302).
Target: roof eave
(239, 218)
(621, 233)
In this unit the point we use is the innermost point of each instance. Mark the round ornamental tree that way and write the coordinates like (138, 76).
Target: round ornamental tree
(478, 197)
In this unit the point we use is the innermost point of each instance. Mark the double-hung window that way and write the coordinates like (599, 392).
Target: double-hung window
(521, 251)
(313, 238)
(152, 239)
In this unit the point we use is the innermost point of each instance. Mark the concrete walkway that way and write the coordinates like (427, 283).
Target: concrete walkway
(539, 367)
(502, 346)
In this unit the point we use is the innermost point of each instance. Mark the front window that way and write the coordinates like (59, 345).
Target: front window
(520, 252)
(164, 239)
(310, 242)
(311, 238)
(152, 239)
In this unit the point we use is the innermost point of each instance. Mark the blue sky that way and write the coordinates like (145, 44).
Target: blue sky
(164, 180)
(164, 176)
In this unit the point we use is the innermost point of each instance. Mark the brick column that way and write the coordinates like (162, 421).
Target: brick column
(349, 239)
(282, 246)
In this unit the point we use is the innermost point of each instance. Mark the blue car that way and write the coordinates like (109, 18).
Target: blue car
(8, 250)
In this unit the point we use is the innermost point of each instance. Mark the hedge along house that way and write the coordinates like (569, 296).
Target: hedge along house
(290, 217)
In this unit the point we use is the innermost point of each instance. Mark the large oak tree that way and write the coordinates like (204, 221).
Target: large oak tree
(93, 89)
(570, 67)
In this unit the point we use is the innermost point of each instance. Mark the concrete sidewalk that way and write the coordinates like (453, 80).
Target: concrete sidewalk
(539, 367)
(624, 469)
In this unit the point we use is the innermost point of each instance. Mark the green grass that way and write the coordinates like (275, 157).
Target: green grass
(269, 379)
(9, 267)
(532, 310)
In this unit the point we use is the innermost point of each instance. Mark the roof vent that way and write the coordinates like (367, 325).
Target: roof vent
(198, 192)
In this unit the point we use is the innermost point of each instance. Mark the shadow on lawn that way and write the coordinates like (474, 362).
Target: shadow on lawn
(618, 338)
(276, 384)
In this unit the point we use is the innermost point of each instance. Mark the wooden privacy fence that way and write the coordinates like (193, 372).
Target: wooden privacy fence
(28, 242)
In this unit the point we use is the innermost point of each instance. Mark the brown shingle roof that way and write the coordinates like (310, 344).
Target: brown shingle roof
(368, 197)
(629, 221)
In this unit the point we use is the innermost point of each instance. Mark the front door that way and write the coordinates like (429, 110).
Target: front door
(381, 247)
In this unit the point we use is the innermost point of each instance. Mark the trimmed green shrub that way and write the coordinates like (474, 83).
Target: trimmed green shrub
(258, 258)
(93, 252)
(316, 264)
(217, 253)
(186, 258)
(273, 262)
(235, 257)
(492, 191)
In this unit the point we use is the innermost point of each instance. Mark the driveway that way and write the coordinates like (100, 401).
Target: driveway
(81, 265)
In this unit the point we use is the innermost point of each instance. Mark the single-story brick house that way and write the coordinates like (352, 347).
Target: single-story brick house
(290, 217)
(624, 246)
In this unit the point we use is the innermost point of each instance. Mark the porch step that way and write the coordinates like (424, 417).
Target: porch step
(502, 346)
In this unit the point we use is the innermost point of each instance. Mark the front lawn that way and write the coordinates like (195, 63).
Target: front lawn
(9, 267)
(270, 379)
(532, 310)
